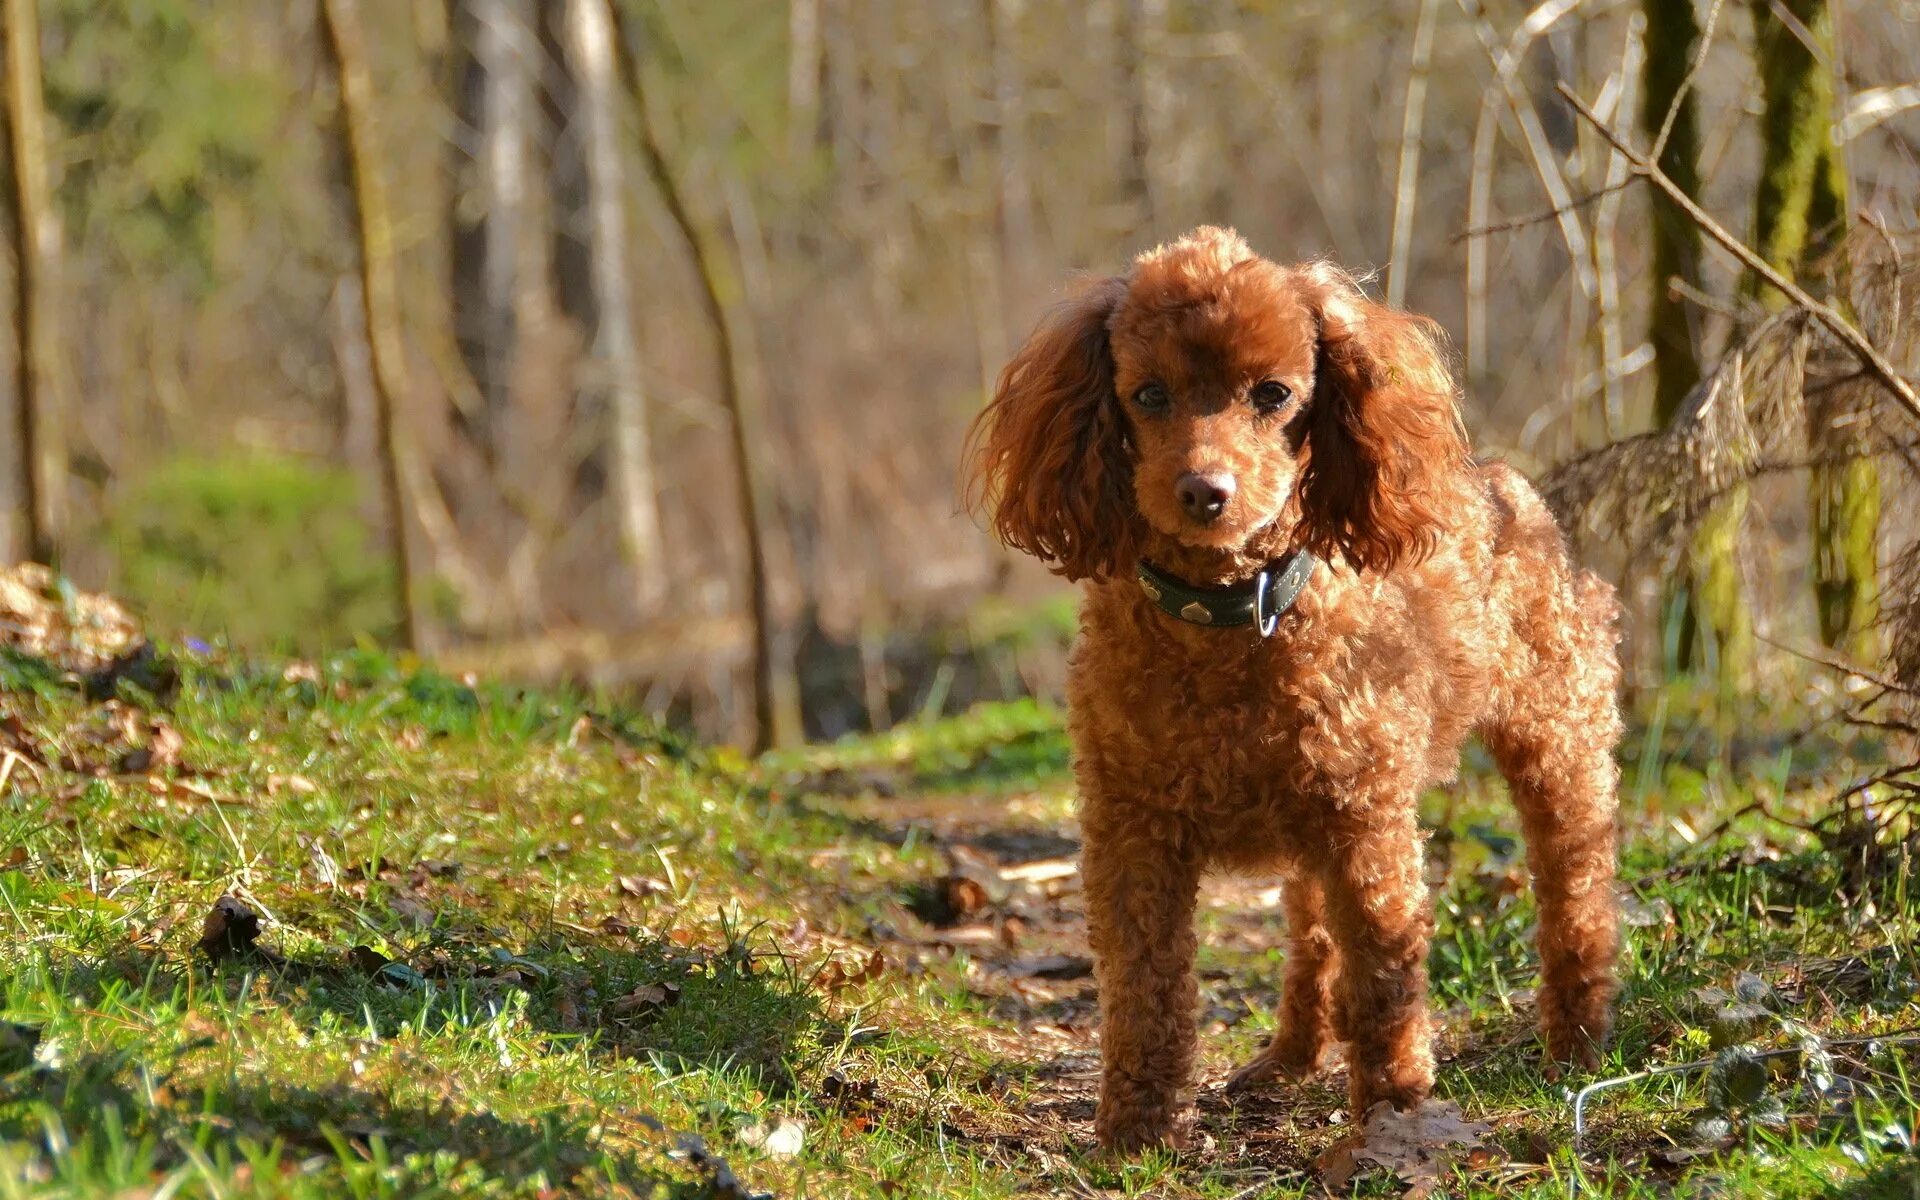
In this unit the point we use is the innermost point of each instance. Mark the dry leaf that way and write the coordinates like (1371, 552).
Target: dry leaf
(641, 886)
(1418, 1147)
(949, 900)
(299, 785)
(230, 931)
(646, 998)
(835, 977)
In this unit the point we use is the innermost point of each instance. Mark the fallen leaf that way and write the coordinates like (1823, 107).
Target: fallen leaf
(641, 886)
(412, 909)
(161, 753)
(1418, 1146)
(948, 900)
(836, 977)
(646, 998)
(230, 931)
(299, 785)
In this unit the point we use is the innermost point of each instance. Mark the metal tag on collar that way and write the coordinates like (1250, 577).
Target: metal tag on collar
(1265, 617)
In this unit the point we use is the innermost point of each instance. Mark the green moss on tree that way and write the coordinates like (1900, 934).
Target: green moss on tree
(1799, 211)
(1715, 625)
(1800, 204)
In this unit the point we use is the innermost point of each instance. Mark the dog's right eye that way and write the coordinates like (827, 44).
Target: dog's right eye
(1152, 397)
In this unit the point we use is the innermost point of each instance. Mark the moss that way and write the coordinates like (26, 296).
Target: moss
(1801, 199)
(1799, 210)
(1723, 637)
(1846, 530)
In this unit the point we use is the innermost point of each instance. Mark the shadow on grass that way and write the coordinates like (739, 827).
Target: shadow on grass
(105, 1118)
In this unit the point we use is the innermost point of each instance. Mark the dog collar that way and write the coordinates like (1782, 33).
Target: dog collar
(1258, 602)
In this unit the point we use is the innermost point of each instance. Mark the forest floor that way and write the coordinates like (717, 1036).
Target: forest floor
(356, 928)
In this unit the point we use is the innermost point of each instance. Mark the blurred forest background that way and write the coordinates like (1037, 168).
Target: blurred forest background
(635, 340)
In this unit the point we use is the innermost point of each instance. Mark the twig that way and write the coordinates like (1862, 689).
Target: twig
(1480, 176)
(1686, 83)
(1844, 667)
(1836, 324)
(1412, 120)
(1538, 218)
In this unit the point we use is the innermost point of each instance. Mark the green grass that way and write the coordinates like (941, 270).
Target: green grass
(525, 944)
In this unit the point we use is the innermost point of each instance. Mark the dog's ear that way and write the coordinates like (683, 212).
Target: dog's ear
(1386, 451)
(1048, 459)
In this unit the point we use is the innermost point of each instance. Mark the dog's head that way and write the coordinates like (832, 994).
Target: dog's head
(1207, 396)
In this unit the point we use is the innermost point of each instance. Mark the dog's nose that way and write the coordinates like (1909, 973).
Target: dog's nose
(1204, 496)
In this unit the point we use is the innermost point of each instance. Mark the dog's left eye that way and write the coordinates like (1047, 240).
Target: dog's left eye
(1152, 397)
(1269, 395)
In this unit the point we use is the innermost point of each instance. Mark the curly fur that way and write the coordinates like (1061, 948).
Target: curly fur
(1448, 607)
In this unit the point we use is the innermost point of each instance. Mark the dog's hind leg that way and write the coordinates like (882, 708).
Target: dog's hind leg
(1306, 1014)
(1555, 745)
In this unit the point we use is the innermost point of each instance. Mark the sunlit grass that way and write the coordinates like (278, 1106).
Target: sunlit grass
(604, 939)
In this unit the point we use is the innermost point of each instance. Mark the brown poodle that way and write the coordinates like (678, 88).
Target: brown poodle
(1302, 596)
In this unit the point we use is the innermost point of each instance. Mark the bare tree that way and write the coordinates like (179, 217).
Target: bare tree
(1407, 181)
(1708, 594)
(35, 312)
(491, 81)
(590, 45)
(1137, 23)
(379, 278)
(805, 66)
(771, 725)
(1799, 210)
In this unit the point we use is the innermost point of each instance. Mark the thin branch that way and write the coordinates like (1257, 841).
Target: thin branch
(1836, 324)
(1538, 218)
(1412, 120)
(1842, 666)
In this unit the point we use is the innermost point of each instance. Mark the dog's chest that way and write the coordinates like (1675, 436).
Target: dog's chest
(1220, 720)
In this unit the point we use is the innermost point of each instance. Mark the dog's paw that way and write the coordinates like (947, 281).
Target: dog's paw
(1148, 1122)
(1270, 1066)
(1125, 1135)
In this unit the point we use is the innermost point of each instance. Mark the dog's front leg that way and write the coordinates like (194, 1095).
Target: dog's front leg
(1142, 873)
(1380, 914)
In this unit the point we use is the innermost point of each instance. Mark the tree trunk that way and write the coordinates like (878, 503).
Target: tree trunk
(1013, 192)
(379, 280)
(805, 69)
(1671, 41)
(492, 98)
(1800, 210)
(1800, 203)
(1134, 24)
(590, 46)
(1708, 600)
(565, 134)
(773, 723)
(40, 465)
(1407, 180)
